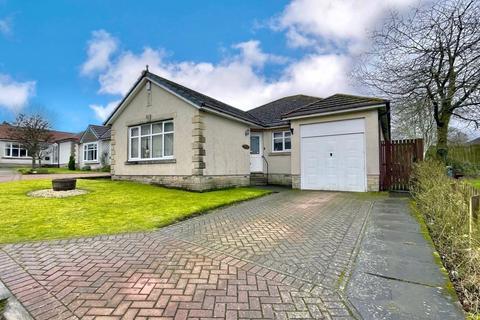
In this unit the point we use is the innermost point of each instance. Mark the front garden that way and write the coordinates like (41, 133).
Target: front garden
(454, 225)
(109, 207)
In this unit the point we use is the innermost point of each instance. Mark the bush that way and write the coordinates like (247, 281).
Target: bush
(444, 202)
(71, 163)
(86, 168)
(464, 159)
(105, 168)
(466, 168)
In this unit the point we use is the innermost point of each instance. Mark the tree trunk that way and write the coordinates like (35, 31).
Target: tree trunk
(442, 140)
(33, 162)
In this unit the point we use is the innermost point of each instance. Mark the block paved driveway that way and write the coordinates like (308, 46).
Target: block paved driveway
(282, 256)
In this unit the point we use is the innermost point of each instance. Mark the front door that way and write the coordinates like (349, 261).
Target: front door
(256, 153)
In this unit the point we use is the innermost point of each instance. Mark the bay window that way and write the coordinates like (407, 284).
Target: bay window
(282, 141)
(14, 150)
(151, 141)
(90, 152)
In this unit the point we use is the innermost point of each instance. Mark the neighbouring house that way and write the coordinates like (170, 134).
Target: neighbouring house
(58, 153)
(165, 133)
(94, 147)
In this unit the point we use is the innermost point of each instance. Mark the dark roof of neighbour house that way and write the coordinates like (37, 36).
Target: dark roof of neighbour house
(107, 135)
(99, 131)
(268, 115)
(95, 132)
(57, 136)
(335, 103)
(271, 113)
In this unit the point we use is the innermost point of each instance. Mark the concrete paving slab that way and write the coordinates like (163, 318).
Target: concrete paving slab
(380, 298)
(395, 275)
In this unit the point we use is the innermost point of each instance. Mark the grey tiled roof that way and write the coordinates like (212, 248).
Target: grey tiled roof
(337, 102)
(107, 135)
(99, 130)
(271, 113)
(202, 100)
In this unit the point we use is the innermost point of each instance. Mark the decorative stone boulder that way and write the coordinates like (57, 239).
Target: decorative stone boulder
(64, 184)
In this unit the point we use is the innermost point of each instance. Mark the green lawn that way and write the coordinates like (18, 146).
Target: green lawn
(110, 207)
(475, 182)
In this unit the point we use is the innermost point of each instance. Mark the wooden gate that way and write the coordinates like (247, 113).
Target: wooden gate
(396, 162)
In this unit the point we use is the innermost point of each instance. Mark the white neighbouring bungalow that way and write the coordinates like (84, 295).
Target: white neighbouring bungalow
(12, 153)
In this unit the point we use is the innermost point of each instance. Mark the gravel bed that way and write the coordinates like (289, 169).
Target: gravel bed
(49, 193)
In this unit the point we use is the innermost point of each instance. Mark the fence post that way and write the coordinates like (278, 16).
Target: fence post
(475, 207)
(472, 217)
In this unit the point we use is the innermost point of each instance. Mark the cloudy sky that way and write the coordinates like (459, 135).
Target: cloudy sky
(73, 59)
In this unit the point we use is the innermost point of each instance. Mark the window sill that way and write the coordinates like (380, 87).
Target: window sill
(91, 162)
(18, 158)
(160, 161)
(280, 153)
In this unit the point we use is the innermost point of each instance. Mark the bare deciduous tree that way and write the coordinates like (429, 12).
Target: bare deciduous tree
(433, 54)
(33, 132)
(414, 120)
(457, 137)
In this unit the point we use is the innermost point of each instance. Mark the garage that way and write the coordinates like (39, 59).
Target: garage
(333, 156)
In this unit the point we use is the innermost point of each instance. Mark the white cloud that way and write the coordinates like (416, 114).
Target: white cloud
(313, 22)
(252, 54)
(100, 48)
(102, 112)
(297, 40)
(15, 95)
(237, 80)
(124, 71)
(6, 26)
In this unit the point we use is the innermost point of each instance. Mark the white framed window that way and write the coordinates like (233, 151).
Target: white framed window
(90, 152)
(281, 141)
(152, 141)
(15, 150)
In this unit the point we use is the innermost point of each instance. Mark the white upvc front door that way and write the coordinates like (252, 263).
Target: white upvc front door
(256, 152)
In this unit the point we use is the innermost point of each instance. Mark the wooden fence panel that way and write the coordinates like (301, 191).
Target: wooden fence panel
(396, 162)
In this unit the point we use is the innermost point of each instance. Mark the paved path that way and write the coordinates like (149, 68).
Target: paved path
(283, 256)
(8, 174)
(395, 275)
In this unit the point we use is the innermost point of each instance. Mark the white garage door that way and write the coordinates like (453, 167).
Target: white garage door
(333, 156)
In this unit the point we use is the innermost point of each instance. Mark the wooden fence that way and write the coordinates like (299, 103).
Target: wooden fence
(396, 162)
(460, 153)
(469, 153)
(472, 197)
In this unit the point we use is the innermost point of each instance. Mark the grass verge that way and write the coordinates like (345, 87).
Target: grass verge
(475, 182)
